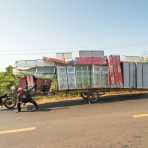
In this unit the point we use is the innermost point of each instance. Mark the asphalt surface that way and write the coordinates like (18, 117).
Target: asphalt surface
(112, 123)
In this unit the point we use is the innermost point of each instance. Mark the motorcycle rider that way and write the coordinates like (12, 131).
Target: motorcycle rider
(24, 96)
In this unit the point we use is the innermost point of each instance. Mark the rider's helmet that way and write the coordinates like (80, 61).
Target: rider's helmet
(20, 90)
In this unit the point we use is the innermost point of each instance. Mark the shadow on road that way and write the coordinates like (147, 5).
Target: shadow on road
(110, 99)
(107, 99)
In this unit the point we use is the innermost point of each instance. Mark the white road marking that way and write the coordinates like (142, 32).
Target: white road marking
(140, 115)
(54, 108)
(17, 130)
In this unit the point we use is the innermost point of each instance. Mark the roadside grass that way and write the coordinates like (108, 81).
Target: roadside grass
(55, 98)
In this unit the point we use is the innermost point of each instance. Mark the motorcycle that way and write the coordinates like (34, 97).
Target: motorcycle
(9, 101)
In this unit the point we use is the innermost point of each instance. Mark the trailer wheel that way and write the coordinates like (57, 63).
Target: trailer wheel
(93, 97)
(85, 95)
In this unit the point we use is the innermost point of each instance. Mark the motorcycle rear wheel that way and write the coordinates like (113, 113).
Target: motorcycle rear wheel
(10, 103)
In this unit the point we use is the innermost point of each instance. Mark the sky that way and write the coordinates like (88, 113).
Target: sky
(31, 29)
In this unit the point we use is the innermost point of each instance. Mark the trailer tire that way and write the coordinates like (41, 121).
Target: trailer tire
(93, 97)
(85, 95)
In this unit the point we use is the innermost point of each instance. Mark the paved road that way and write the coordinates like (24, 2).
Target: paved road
(109, 124)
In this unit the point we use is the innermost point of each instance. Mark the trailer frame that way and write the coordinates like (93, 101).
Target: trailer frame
(92, 95)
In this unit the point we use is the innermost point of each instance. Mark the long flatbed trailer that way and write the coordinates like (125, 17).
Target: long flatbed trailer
(94, 81)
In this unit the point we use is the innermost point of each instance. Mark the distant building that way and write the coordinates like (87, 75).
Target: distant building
(146, 59)
(136, 59)
(38, 67)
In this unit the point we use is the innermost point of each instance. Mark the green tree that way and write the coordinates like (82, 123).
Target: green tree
(7, 79)
(9, 70)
